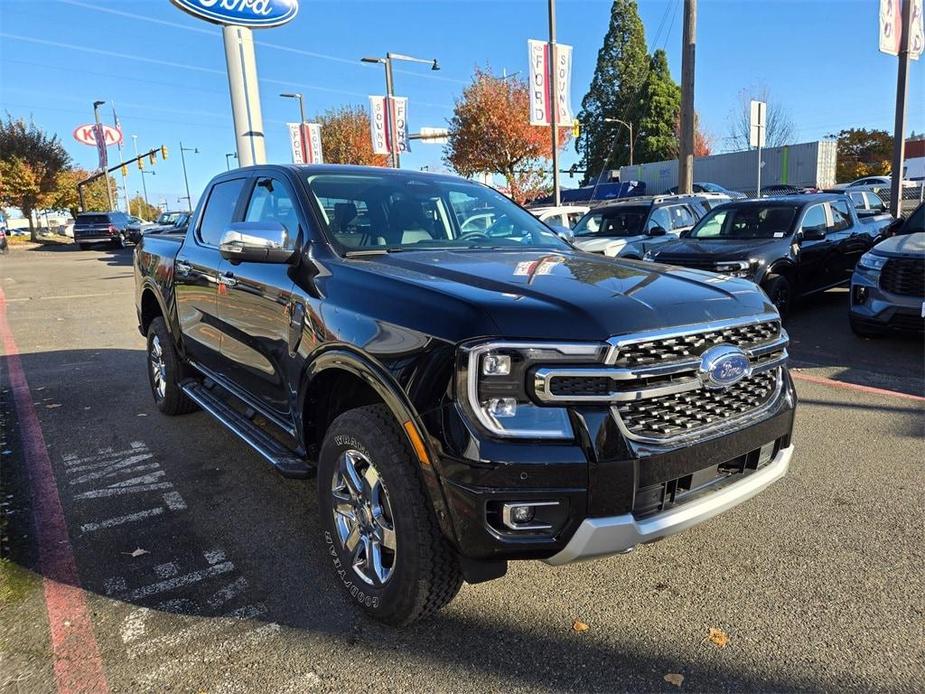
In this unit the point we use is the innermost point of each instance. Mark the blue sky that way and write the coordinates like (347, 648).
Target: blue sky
(164, 70)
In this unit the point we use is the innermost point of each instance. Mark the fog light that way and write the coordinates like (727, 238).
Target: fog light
(523, 516)
(496, 365)
(502, 407)
(860, 295)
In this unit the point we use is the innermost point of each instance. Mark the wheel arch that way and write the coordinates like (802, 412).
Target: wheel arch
(358, 379)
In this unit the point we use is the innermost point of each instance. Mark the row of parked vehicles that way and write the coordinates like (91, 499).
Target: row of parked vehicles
(117, 229)
(469, 387)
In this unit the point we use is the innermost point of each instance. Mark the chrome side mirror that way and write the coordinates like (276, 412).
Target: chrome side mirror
(257, 242)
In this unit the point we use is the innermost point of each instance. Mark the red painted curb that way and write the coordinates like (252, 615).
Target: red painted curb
(78, 666)
(820, 380)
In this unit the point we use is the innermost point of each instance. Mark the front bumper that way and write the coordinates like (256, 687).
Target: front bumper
(598, 537)
(876, 309)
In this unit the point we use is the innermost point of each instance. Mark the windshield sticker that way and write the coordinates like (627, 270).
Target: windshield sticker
(779, 234)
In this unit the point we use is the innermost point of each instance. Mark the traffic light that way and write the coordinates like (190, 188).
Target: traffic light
(141, 164)
(164, 152)
(152, 157)
(124, 170)
(576, 128)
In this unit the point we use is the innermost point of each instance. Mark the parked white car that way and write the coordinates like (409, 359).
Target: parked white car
(565, 215)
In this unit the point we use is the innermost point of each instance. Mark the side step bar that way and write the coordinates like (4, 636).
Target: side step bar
(287, 463)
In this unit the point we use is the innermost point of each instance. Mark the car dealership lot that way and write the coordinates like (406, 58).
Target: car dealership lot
(815, 582)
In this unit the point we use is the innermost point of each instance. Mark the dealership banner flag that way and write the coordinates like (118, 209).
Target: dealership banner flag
(890, 26)
(917, 39)
(306, 143)
(540, 96)
(380, 117)
(99, 135)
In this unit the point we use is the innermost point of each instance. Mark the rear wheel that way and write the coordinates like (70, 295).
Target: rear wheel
(379, 529)
(780, 293)
(166, 371)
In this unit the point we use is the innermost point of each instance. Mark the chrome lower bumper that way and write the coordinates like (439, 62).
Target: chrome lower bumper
(598, 537)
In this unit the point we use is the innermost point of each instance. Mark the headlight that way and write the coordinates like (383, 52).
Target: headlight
(872, 262)
(493, 376)
(738, 268)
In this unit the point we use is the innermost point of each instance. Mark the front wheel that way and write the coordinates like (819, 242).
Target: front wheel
(378, 527)
(780, 293)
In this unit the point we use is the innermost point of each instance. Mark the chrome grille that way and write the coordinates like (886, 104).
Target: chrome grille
(680, 413)
(694, 344)
(655, 385)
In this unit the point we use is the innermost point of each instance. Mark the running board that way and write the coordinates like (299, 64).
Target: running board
(286, 462)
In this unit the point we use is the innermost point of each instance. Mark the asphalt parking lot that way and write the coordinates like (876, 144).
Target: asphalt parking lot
(201, 571)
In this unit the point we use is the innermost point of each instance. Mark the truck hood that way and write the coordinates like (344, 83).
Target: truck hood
(896, 246)
(556, 295)
(714, 250)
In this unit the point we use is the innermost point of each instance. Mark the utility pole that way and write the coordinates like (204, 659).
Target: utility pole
(899, 127)
(688, 51)
(99, 132)
(554, 98)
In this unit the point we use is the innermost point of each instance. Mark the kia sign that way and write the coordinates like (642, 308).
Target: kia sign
(85, 135)
(254, 14)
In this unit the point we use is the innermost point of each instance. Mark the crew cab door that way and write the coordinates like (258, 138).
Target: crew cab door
(814, 253)
(256, 307)
(196, 274)
(851, 240)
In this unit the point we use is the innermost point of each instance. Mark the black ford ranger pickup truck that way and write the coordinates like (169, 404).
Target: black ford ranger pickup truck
(464, 398)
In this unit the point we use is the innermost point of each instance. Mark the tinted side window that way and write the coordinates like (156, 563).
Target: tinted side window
(857, 200)
(681, 217)
(219, 210)
(841, 216)
(815, 218)
(659, 218)
(271, 202)
(875, 202)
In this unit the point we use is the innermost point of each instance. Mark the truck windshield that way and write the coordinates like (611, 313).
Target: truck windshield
(389, 212)
(616, 221)
(746, 222)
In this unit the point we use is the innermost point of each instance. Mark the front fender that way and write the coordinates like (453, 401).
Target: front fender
(346, 358)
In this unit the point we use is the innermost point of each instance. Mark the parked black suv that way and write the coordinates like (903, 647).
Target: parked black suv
(92, 228)
(465, 398)
(792, 246)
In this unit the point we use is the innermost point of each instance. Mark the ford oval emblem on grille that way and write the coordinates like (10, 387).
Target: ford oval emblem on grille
(723, 366)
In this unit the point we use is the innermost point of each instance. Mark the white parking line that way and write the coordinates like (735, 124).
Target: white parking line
(179, 581)
(121, 520)
(229, 592)
(200, 631)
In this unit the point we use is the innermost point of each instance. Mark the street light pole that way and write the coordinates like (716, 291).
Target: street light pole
(899, 125)
(194, 150)
(228, 157)
(143, 186)
(628, 126)
(99, 132)
(394, 155)
(554, 107)
(303, 140)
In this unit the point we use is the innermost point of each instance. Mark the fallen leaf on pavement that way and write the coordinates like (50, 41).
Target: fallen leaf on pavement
(53, 405)
(137, 553)
(675, 678)
(141, 414)
(718, 637)
(579, 626)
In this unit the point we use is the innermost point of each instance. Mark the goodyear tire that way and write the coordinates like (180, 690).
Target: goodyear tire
(378, 527)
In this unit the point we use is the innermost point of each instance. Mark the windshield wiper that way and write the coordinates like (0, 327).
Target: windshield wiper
(370, 251)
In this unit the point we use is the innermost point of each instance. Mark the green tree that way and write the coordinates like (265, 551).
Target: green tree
(622, 66)
(660, 105)
(31, 163)
(863, 152)
(65, 196)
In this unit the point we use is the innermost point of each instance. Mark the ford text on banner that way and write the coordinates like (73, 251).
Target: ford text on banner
(99, 135)
(306, 143)
(378, 123)
(539, 83)
(400, 111)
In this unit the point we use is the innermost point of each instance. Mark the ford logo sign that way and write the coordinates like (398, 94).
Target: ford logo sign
(255, 14)
(723, 366)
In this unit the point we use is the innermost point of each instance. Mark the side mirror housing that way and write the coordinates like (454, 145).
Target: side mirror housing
(257, 242)
(563, 232)
(812, 234)
(657, 231)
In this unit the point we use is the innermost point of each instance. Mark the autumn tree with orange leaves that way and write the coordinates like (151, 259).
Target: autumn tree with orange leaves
(345, 137)
(490, 132)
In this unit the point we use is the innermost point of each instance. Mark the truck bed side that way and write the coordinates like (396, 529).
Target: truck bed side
(154, 261)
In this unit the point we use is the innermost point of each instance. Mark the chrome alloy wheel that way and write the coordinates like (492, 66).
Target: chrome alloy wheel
(158, 368)
(363, 518)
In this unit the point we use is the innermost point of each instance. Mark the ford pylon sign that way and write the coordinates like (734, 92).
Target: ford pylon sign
(255, 14)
